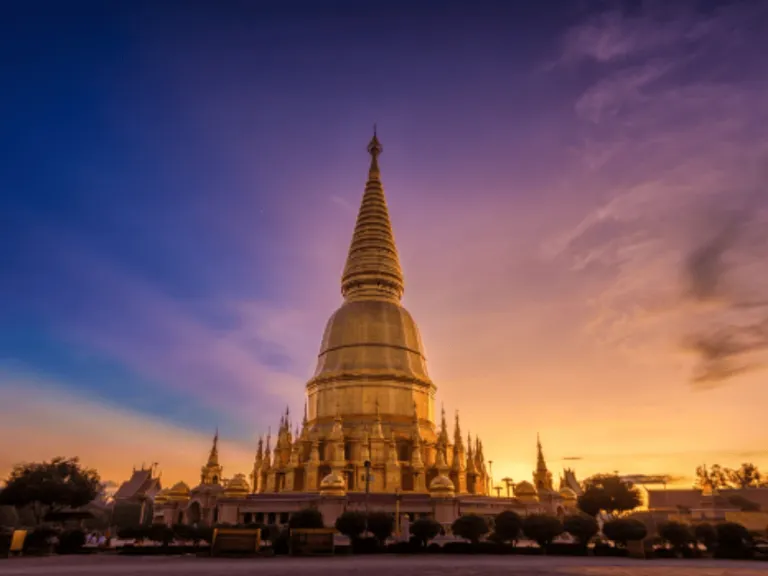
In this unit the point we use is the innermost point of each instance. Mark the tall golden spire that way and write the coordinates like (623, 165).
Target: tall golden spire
(372, 271)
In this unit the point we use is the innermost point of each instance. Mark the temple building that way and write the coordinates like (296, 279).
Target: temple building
(369, 423)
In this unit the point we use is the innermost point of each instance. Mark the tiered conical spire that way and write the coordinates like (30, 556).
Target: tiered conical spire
(541, 464)
(458, 441)
(213, 457)
(372, 271)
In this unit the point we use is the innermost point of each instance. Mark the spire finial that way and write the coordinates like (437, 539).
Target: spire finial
(372, 270)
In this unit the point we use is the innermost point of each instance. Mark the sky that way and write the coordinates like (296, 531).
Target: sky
(577, 190)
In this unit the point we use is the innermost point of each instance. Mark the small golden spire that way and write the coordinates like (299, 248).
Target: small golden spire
(372, 270)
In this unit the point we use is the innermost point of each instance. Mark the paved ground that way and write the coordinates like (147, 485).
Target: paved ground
(375, 566)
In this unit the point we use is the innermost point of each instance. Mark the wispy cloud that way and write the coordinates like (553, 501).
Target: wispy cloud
(674, 134)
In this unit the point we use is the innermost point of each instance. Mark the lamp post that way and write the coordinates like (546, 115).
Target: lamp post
(508, 483)
(490, 474)
(367, 465)
(397, 512)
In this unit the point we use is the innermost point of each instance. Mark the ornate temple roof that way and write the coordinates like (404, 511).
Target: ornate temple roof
(237, 487)
(138, 486)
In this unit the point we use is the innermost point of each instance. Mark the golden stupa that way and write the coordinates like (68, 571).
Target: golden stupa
(370, 398)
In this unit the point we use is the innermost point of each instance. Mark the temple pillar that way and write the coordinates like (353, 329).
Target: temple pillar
(331, 507)
(445, 510)
(228, 513)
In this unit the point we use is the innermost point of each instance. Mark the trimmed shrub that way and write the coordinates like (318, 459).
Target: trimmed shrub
(424, 529)
(542, 528)
(381, 524)
(733, 541)
(351, 524)
(507, 527)
(470, 527)
(706, 534)
(306, 518)
(677, 534)
(623, 530)
(583, 528)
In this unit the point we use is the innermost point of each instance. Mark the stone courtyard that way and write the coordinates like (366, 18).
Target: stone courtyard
(379, 565)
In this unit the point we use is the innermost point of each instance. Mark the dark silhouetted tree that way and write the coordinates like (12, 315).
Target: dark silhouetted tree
(507, 526)
(470, 527)
(610, 493)
(678, 535)
(9, 517)
(623, 530)
(381, 524)
(50, 486)
(351, 523)
(732, 536)
(306, 518)
(424, 530)
(582, 528)
(706, 534)
(746, 476)
(542, 528)
(713, 478)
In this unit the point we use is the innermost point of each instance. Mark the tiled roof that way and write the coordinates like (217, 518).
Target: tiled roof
(137, 486)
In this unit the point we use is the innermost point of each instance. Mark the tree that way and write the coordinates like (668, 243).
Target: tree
(507, 526)
(623, 530)
(424, 530)
(713, 478)
(542, 529)
(50, 486)
(746, 476)
(381, 524)
(610, 493)
(591, 502)
(678, 535)
(731, 535)
(582, 528)
(306, 518)
(351, 524)
(9, 517)
(706, 534)
(470, 527)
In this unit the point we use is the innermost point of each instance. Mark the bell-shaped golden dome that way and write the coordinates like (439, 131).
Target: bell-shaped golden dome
(333, 485)
(237, 487)
(371, 338)
(442, 486)
(567, 493)
(179, 491)
(525, 489)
